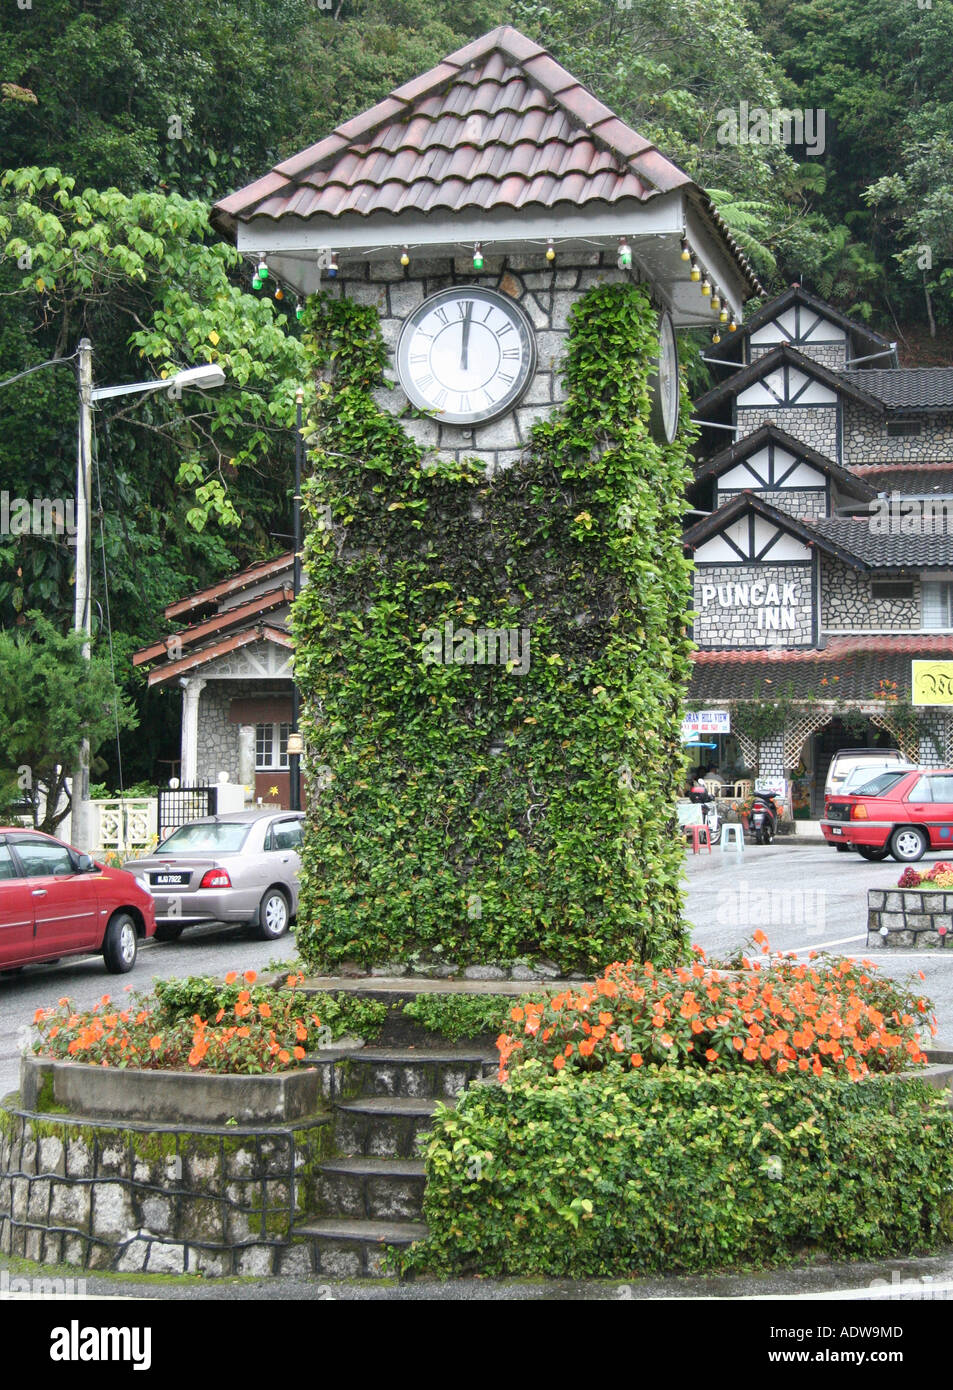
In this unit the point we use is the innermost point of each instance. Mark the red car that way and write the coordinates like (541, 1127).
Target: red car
(903, 813)
(56, 901)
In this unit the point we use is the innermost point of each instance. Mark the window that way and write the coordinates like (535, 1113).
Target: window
(891, 588)
(921, 790)
(41, 857)
(942, 787)
(271, 746)
(7, 867)
(875, 786)
(285, 834)
(937, 603)
(206, 836)
(897, 429)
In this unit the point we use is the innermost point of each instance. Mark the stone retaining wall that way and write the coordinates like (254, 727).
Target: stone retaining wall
(213, 1200)
(912, 918)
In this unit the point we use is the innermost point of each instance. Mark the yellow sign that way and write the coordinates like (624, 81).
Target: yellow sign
(932, 683)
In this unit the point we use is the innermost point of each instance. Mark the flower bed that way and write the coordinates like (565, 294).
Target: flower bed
(818, 1016)
(233, 1029)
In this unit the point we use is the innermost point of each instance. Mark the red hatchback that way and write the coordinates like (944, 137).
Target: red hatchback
(903, 813)
(56, 901)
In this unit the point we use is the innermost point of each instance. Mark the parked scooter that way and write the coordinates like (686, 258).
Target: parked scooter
(764, 817)
(699, 793)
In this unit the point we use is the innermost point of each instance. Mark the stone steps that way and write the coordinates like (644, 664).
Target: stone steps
(370, 1194)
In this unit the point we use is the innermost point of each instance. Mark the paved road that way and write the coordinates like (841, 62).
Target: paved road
(803, 896)
(807, 897)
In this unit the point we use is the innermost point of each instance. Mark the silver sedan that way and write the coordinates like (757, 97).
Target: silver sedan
(242, 867)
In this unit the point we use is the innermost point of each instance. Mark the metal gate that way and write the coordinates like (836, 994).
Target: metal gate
(179, 805)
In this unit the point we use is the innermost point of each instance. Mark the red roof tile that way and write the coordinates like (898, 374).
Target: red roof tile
(498, 124)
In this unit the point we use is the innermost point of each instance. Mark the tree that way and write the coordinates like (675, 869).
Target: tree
(51, 699)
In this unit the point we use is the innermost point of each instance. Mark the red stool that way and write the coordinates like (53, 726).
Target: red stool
(700, 836)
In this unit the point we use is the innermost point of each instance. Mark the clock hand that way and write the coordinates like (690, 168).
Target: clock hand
(465, 338)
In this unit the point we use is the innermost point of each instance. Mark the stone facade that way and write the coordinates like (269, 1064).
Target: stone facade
(866, 439)
(723, 621)
(906, 918)
(831, 355)
(156, 1199)
(218, 740)
(796, 501)
(545, 293)
(817, 425)
(847, 604)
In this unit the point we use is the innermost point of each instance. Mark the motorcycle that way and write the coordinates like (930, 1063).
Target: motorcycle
(700, 794)
(764, 817)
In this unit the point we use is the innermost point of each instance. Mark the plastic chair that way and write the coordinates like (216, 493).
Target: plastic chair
(698, 831)
(737, 834)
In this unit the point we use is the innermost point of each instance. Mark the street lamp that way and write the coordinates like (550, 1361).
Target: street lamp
(203, 377)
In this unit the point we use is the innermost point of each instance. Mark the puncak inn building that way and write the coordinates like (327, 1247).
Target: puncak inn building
(822, 537)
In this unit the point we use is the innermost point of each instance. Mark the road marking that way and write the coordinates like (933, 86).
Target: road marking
(823, 945)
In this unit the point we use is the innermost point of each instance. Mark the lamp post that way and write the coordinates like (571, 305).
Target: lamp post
(203, 377)
(295, 741)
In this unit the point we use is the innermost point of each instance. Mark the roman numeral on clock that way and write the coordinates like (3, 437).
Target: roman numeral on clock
(511, 354)
(504, 376)
(507, 328)
(423, 383)
(464, 404)
(441, 314)
(418, 358)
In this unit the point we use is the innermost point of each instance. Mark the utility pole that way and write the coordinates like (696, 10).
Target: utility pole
(82, 610)
(294, 740)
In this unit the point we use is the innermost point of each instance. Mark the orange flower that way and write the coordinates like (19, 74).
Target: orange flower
(299, 1054)
(636, 1059)
(284, 1056)
(250, 976)
(231, 977)
(155, 1043)
(264, 1010)
(559, 1062)
(711, 1054)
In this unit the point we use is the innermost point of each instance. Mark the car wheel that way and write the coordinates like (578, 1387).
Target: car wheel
(168, 931)
(121, 944)
(874, 855)
(908, 844)
(842, 849)
(273, 915)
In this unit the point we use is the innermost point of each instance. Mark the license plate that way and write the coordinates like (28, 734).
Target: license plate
(836, 830)
(170, 880)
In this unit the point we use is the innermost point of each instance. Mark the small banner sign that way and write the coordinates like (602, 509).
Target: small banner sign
(706, 721)
(932, 683)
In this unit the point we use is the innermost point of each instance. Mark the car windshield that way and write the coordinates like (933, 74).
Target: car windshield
(216, 836)
(874, 786)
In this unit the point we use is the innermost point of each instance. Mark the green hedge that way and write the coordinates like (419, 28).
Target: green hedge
(614, 1174)
(468, 812)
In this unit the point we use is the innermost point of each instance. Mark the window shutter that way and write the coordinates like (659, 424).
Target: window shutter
(935, 604)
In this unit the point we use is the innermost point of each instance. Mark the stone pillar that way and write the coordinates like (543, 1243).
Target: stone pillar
(192, 687)
(246, 757)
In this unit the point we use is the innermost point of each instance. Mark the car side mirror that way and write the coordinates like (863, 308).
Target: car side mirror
(86, 864)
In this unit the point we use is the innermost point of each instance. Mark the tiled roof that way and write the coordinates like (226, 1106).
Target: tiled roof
(254, 574)
(907, 388)
(893, 550)
(240, 616)
(841, 382)
(497, 125)
(850, 668)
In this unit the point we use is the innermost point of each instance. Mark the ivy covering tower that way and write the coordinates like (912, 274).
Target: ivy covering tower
(492, 668)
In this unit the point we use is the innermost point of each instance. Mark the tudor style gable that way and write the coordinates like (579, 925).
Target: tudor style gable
(783, 471)
(816, 329)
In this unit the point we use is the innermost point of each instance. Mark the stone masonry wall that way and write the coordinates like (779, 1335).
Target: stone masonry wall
(796, 501)
(831, 355)
(866, 439)
(911, 917)
(156, 1199)
(545, 292)
(734, 625)
(814, 425)
(217, 736)
(846, 602)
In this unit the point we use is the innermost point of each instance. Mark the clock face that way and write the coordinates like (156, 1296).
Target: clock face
(467, 354)
(663, 420)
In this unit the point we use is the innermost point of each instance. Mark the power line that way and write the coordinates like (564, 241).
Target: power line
(53, 362)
